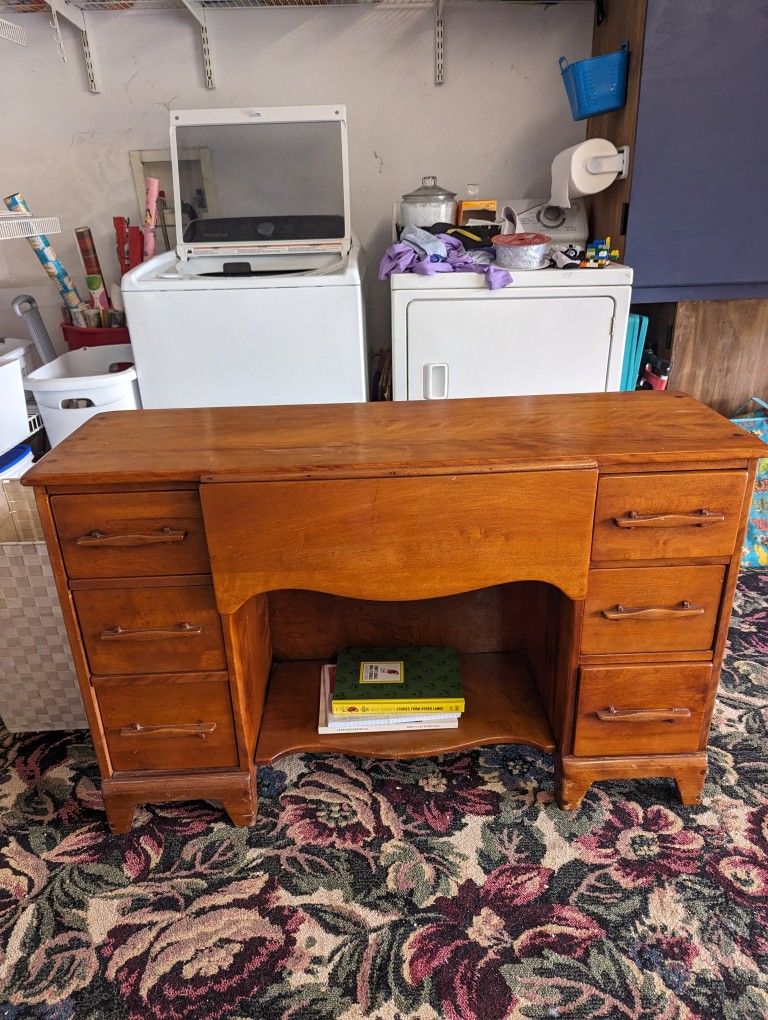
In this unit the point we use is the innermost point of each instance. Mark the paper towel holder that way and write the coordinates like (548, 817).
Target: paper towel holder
(618, 164)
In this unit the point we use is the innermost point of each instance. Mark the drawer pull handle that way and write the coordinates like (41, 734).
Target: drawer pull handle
(182, 630)
(696, 518)
(678, 612)
(196, 729)
(99, 539)
(641, 715)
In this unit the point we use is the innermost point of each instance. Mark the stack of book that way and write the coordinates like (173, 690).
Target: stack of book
(380, 690)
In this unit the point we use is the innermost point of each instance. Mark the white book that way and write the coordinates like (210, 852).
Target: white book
(328, 724)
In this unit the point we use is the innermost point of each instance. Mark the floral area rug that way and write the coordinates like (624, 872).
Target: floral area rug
(451, 889)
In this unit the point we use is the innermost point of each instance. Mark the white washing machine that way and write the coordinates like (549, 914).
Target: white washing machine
(261, 302)
(549, 331)
(297, 337)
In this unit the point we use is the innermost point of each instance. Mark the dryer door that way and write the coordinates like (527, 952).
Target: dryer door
(512, 345)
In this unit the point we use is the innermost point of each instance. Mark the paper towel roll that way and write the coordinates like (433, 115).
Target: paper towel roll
(570, 176)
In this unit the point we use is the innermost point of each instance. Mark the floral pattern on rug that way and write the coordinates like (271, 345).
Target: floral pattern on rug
(447, 889)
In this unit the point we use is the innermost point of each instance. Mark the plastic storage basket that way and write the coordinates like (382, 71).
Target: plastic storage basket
(598, 84)
(85, 336)
(73, 388)
(38, 686)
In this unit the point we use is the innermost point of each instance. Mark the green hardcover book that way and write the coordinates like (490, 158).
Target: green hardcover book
(397, 681)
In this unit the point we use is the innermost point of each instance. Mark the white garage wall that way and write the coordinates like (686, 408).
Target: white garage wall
(498, 120)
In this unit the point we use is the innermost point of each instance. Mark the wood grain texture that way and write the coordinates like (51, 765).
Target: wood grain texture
(662, 587)
(313, 625)
(726, 605)
(576, 775)
(570, 623)
(538, 625)
(149, 581)
(337, 499)
(161, 726)
(73, 633)
(720, 352)
(720, 493)
(151, 609)
(400, 538)
(625, 21)
(131, 519)
(502, 706)
(423, 437)
(549, 623)
(249, 652)
(641, 687)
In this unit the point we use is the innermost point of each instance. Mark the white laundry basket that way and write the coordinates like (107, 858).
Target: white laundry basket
(73, 388)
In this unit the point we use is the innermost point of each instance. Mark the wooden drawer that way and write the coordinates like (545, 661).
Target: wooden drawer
(651, 609)
(150, 630)
(653, 709)
(401, 538)
(168, 722)
(131, 534)
(668, 516)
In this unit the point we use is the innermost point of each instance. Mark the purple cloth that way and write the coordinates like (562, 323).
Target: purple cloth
(404, 258)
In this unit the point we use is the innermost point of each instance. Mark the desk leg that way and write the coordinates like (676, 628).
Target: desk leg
(575, 775)
(244, 808)
(119, 812)
(690, 782)
(235, 791)
(570, 785)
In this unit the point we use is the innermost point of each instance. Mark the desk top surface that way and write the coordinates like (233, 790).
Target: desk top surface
(614, 431)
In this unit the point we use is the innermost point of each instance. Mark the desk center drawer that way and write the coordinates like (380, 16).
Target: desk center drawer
(131, 534)
(150, 630)
(651, 609)
(401, 538)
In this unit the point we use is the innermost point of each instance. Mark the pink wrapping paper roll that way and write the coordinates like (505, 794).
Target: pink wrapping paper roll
(150, 216)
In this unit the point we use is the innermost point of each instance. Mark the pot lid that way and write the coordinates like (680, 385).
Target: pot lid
(430, 191)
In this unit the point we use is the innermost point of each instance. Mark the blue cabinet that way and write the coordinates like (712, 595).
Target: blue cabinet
(697, 223)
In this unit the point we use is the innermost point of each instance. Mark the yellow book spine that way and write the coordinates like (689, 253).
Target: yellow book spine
(388, 707)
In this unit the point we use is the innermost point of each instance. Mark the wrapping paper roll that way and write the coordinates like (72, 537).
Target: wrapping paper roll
(94, 278)
(150, 216)
(50, 262)
(97, 290)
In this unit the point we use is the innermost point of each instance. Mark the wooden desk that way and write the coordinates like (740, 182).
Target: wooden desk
(581, 552)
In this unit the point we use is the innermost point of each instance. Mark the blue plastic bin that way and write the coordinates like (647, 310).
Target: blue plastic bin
(597, 84)
(637, 329)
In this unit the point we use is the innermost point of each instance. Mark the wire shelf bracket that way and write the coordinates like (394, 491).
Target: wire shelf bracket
(76, 17)
(439, 43)
(76, 12)
(198, 13)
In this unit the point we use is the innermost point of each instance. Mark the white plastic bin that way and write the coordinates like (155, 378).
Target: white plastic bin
(22, 351)
(14, 418)
(73, 388)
